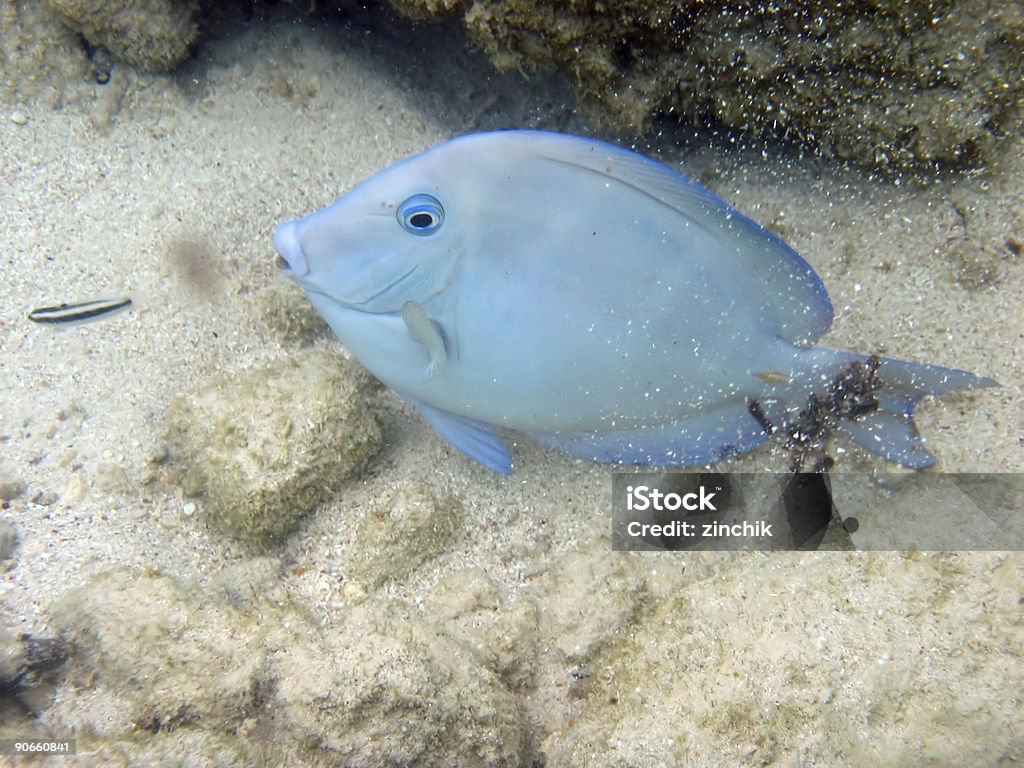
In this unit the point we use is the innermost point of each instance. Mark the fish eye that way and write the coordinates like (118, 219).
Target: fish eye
(421, 215)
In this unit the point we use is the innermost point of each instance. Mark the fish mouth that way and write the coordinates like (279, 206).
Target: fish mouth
(290, 259)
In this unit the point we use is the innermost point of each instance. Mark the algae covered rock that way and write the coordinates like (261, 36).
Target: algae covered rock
(501, 633)
(37, 52)
(28, 668)
(265, 448)
(589, 600)
(180, 664)
(401, 532)
(889, 84)
(178, 657)
(289, 315)
(386, 690)
(779, 658)
(153, 35)
(8, 543)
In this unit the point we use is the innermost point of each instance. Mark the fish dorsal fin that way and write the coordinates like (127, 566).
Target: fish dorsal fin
(802, 301)
(427, 333)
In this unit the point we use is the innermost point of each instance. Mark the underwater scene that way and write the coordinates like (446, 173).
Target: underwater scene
(511, 384)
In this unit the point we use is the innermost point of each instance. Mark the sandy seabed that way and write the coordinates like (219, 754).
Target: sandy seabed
(907, 660)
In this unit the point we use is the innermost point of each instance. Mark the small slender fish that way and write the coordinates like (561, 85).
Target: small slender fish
(78, 313)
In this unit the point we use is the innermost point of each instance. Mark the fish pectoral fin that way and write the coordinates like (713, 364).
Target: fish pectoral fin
(427, 333)
(477, 440)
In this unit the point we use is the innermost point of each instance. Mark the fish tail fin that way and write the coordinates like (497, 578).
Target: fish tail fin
(889, 430)
(871, 400)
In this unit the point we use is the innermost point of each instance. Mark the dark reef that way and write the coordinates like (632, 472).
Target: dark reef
(890, 85)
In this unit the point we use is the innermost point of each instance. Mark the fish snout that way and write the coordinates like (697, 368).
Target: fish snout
(290, 256)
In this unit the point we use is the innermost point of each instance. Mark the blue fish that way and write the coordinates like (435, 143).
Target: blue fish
(594, 299)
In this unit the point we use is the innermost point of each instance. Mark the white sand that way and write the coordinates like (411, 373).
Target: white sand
(277, 121)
